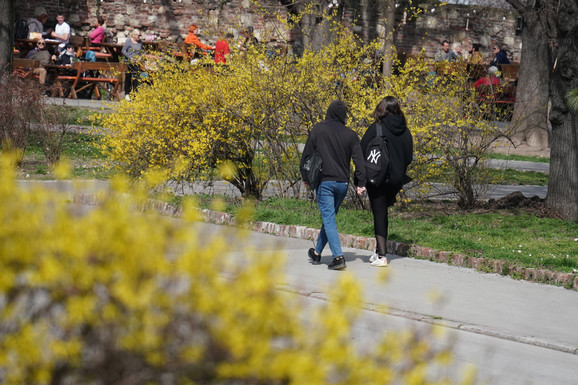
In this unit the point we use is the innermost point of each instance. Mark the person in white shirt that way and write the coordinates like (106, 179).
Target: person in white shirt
(61, 31)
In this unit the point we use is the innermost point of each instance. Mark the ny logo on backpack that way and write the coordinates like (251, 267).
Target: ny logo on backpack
(377, 164)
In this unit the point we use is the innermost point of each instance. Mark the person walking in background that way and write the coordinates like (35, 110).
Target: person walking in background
(389, 115)
(222, 49)
(97, 36)
(192, 42)
(131, 50)
(337, 145)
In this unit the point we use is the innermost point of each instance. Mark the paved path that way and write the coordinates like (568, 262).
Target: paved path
(516, 332)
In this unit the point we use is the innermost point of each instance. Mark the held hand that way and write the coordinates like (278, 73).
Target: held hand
(361, 190)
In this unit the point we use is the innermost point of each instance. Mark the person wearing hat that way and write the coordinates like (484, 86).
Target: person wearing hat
(36, 23)
(192, 42)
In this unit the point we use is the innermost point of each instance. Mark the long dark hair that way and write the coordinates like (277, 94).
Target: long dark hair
(388, 106)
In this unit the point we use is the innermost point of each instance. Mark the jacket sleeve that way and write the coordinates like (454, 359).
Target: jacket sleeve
(360, 178)
(195, 40)
(309, 148)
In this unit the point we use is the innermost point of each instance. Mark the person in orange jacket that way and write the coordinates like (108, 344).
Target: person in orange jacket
(192, 42)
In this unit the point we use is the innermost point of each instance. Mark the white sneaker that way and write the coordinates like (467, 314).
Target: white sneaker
(374, 257)
(380, 262)
(127, 98)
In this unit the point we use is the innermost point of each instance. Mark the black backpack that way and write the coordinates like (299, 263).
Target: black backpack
(312, 170)
(21, 29)
(377, 163)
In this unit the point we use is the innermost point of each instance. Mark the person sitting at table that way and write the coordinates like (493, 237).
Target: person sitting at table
(61, 31)
(250, 39)
(222, 49)
(444, 52)
(66, 57)
(475, 54)
(97, 36)
(36, 23)
(500, 56)
(131, 50)
(41, 54)
(192, 42)
(492, 80)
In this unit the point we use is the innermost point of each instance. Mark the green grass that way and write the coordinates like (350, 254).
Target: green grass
(80, 148)
(524, 158)
(515, 177)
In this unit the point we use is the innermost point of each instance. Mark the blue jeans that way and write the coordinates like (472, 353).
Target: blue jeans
(330, 195)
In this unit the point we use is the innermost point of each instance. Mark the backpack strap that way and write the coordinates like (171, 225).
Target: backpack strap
(379, 132)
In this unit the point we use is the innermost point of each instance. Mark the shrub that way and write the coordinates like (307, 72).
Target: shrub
(23, 110)
(20, 103)
(252, 114)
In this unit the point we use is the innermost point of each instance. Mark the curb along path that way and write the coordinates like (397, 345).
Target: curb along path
(567, 280)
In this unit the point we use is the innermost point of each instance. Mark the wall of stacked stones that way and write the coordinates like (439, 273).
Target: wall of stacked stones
(165, 19)
(455, 23)
(169, 20)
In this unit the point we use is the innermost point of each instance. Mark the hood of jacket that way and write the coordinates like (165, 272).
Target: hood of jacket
(337, 111)
(394, 123)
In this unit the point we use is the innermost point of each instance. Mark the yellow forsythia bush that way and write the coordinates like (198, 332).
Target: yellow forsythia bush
(252, 113)
(110, 295)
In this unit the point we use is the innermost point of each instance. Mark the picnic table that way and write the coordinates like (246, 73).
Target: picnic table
(90, 76)
(115, 50)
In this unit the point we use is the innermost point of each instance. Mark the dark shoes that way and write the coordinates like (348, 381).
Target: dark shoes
(337, 263)
(315, 258)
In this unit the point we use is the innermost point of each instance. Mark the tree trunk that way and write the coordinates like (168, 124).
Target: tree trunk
(530, 117)
(6, 35)
(388, 22)
(563, 182)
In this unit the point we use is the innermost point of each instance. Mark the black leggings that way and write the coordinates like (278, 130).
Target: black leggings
(380, 199)
(131, 78)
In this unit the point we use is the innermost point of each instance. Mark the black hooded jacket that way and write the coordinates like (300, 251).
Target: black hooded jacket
(337, 145)
(400, 145)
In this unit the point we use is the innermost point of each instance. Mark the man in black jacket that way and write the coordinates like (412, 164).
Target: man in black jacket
(337, 145)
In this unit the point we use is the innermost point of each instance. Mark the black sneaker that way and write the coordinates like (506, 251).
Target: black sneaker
(337, 263)
(315, 259)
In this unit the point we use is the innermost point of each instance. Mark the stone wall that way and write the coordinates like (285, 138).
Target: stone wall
(169, 20)
(458, 23)
(166, 19)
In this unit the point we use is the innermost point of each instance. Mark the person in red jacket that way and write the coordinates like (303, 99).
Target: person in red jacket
(192, 42)
(222, 48)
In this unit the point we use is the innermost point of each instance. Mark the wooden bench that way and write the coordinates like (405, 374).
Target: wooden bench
(510, 71)
(23, 68)
(91, 76)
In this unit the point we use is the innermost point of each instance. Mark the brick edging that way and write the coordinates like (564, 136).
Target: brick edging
(567, 280)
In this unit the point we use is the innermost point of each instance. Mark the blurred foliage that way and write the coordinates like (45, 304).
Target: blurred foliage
(110, 295)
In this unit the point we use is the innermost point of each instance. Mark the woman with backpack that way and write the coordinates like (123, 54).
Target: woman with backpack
(382, 193)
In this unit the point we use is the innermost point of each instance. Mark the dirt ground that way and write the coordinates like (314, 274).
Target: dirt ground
(505, 147)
